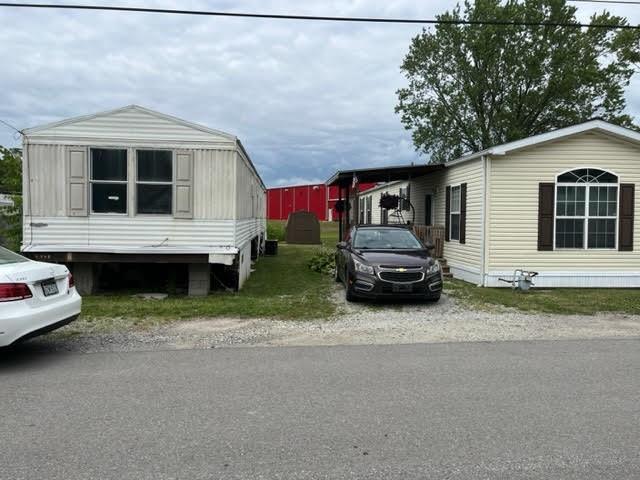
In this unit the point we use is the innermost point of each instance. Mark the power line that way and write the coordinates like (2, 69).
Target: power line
(318, 18)
(614, 2)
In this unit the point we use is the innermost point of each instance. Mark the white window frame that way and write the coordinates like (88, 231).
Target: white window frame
(586, 217)
(146, 182)
(454, 212)
(92, 181)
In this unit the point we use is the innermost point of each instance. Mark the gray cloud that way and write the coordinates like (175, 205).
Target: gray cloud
(306, 98)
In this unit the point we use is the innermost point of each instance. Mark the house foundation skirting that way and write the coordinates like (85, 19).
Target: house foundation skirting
(573, 279)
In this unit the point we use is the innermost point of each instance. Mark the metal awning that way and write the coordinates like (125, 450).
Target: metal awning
(344, 178)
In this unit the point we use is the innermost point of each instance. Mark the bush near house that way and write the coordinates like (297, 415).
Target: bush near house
(11, 185)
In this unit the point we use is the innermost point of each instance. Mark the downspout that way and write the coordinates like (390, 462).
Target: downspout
(483, 230)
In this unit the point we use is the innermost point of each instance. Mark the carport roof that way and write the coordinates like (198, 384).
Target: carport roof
(344, 178)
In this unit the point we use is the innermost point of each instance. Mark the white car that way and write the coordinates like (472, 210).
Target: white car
(35, 297)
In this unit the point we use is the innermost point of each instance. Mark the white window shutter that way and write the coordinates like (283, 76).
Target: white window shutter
(77, 180)
(183, 185)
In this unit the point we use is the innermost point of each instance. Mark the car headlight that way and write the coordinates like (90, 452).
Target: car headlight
(362, 267)
(435, 268)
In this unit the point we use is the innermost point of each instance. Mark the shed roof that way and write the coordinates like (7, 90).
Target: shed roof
(344, 178)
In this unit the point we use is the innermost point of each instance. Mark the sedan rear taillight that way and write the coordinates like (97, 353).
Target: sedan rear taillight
(71, 282)
(10, 292)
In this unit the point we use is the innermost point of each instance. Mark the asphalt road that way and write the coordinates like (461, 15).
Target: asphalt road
(560, 409)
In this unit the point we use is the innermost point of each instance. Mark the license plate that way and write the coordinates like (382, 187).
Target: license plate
(401, 288)
(49, 287)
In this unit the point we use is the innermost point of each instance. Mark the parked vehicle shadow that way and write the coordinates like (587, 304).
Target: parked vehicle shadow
(31, 353)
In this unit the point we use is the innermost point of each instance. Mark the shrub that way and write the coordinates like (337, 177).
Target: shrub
(275, 230)
(323, 261)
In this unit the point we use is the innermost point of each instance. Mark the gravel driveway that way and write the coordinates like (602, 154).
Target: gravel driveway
(445, 321)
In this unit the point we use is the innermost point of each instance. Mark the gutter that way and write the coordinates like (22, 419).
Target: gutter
(483, 229)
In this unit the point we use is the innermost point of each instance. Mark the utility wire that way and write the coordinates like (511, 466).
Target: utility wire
(613, 2)
(318, 18)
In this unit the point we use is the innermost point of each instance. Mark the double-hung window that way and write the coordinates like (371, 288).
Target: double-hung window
(454, 213)
(108, 180)
(154, 182)
(586, 209)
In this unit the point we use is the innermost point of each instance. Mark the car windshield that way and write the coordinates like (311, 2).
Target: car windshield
(385, 238)
(7, 256)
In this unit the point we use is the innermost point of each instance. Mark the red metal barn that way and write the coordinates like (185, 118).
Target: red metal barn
(282, 201)
(316, 198)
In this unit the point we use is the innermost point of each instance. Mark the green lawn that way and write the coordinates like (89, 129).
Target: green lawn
(587, 301)
(328, 231)
(282, 286)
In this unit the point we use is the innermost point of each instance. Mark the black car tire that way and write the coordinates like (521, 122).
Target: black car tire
(433, 299)
(349, 294)
(348, 289)
(336, 276)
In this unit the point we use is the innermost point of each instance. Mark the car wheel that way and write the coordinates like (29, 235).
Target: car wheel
(349, 294)
(433, 299)
(348, 289)
(336, 276)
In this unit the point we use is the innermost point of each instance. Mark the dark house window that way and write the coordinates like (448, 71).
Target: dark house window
(454, 232)
(154, 182)
(108, 180)
(586, 209)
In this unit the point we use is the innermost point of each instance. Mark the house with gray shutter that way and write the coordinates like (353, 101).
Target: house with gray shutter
(561, 203)
(133, 185)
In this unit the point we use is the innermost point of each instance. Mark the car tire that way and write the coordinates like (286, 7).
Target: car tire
(348, 289)
(349, 294)
(336, 276)
(433, 299)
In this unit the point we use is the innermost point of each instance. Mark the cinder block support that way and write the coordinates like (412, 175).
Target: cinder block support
(199, 279)
(84, 277)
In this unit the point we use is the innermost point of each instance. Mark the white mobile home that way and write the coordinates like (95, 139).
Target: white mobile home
(561, 203)
(135, 185)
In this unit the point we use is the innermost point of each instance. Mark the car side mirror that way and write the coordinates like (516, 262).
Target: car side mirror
(341, 245)
(429, 245)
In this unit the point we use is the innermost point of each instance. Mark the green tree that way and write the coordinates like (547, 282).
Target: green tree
(471, 87)
(11, 185)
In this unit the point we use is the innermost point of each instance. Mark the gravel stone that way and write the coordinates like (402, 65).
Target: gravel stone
(356, 324)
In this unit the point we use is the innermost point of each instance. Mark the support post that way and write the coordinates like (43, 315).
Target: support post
(84, 277)
(199, 279)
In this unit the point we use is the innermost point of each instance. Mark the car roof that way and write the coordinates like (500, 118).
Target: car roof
(378, 226)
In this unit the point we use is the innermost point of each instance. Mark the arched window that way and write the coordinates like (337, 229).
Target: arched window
(586, 209)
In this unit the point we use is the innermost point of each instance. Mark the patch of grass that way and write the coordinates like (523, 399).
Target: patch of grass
(282, 286)
(566, 301)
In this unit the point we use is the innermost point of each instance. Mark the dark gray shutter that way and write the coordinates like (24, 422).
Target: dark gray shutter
(77, 182)
(463, 212)
(447, 212)
(625, 222)
(546, 198)
(183, 185)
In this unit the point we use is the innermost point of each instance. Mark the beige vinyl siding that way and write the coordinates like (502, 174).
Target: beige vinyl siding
(375, 193)
(251, 202)
(46, 193)
(214, 189)
(431, 183)
(513, 204)
(121, 231)
(465, 259)
(131, 124)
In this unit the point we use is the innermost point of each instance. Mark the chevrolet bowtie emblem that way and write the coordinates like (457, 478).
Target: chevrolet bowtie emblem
(401, 269)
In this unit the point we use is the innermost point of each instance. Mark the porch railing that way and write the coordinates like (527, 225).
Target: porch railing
(433, 234)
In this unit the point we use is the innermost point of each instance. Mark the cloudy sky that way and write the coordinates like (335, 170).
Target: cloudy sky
(306, 98)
